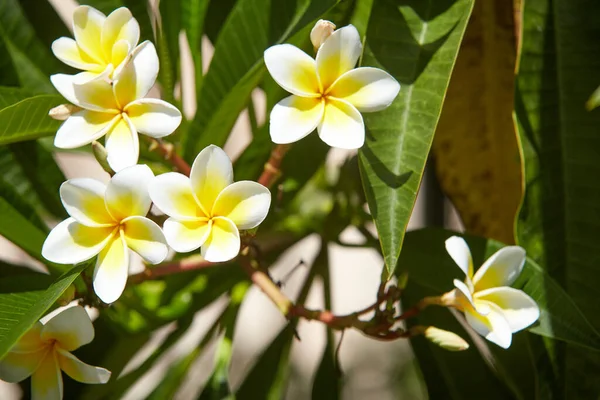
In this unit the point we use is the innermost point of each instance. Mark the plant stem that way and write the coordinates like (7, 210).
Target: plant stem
(167, 150)
(271, 171)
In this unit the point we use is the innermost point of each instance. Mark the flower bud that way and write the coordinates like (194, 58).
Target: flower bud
(445, 339)
(67, 296)
(63, 111)
(321, 31)
(102, 157)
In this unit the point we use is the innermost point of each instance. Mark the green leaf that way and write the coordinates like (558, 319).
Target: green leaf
(430, 266)
(416, 42)
(237, 65)
(558, 224)
(193, 20)
(28, 119)
(24, 300)
(168, 47)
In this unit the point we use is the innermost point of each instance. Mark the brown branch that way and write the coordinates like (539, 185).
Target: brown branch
(271, 171)
(169, 268)
(167, 150)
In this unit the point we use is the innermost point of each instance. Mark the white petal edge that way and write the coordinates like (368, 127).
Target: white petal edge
(67, 51)
(223, 243)
(493, 326)
(122, 145)
(172, 194)
(87, 28)
(186, 236)
(459, 250)
(293, 70)
(338, 54)
(342, 125)
(112, 268)
(83, 198)
(127, 192)
(15, 367)
(119, 25)
(80, 371)
(246, 203)
(153, 117)
(137, 75)
(518, 308)
(83, 128)
(211, 173)
(501, 269)
(294, 117)
(71, 328)
(368, 89)
(146, 238)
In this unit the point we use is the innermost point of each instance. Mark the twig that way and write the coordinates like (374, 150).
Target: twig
(168, 152)
(271, 171)
(169, 268)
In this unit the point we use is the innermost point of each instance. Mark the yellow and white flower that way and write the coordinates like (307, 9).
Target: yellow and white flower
(207, 209)
(101, 43)
(117, 110)
(46, 349)
(328, 93)
(491, 307)
(107, 220)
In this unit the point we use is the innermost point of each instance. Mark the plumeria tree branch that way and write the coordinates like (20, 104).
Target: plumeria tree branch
(167, 150)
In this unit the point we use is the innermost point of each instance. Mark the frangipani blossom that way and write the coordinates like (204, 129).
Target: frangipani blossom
(491, 306)
(207, 209)
(46, 349)
(107, 220)
(101, 43)
(117, 110)
(328, 93)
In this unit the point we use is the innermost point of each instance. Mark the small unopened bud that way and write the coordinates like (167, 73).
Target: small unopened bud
(321, 31)
(445, 339)
(102, 157)
(63, 111)
(67, 296)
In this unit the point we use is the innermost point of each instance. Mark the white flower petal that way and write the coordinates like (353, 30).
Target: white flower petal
(501, 269)
(127, 192)
(223, 243)
(137, 75)
(295, 117)
(493, 326)
(518, 308)
(338, 54)
(46, 381)
(211, 173)
(71, 242)
(367, 89)
(119, 26)
(87, 90)
(87, 28)
(172, 194)
(186, 236)
(30, 341)
(146, 238)
(342, 125)
(80, 371)
(71, 328)
(67, 51)
(83, 128)
(83, 199)
(153, 117)
(464, 289)
(293, 70)
(246, 203)
(122, 145)
(112, 267)
(461, 254)
(15, 367)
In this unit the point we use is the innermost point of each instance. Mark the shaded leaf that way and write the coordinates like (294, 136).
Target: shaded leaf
(416, 42)
(28, 119)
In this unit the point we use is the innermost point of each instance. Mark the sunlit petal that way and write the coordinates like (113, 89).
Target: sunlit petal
(112, 267)
(246, 203)
(46, 381)
(122, 145)
(80, 371)
(223, 243)
(493, 326)
(15, 367)
(83, 199)
(71, 328)
(71, 242)
(146, 238)
(338, 54)
(30, 341)
(138, 74)
(172, 194)
(461, 254)
(83, 128)
(501, 269)
(119, 25)
(127, 192)
(120, 52)
(295, 117)
(211, 173)
(342, 125)
(367, 89)
(86, 90)
(67, 51)
(153, 117)
(519, 309)
(87, 28)
(186, 236)
(293, 70)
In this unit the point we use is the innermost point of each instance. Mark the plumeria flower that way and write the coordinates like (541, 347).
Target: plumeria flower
(107, 220)
(207, 209)
(327, 94)
(46, 349)
(117, 110)
(101, 43)
(491, 307)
